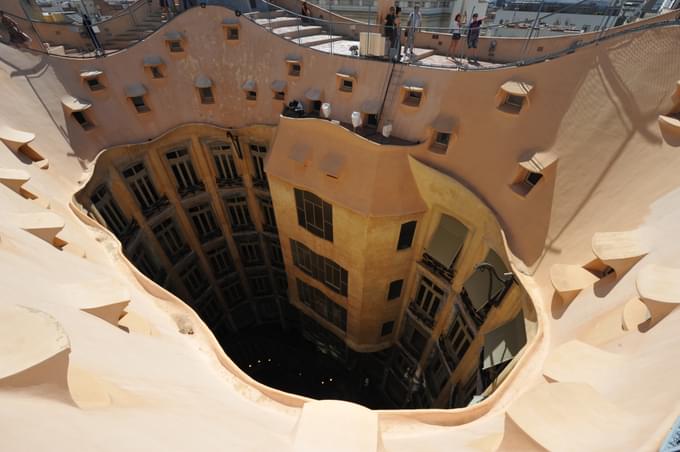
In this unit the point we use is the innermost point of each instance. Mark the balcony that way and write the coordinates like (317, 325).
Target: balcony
(232, 182)
(156, 207)
(422, 315)
(438, 269)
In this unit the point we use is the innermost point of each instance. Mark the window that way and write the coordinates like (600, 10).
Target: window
(457, 340)
(372, 121)
(250, 250)
(294, 69)
(251, 95)
(395, 289)
(436, 373)
(406, 235)
(323, 306)
(225, 167)
(467, 392)
(175, 46)
(445, 246)
(442, 139)
(427, 302)
(268, 217)
(281, 281)
(81, 119)
(482, 290)
(156, 72)
(145, 263)
(412, 97)
(107, 207)
(279, 95)
(204, 222)
(171, 240)
(233, 292)
(320, 268)
(206, 95)
(258, 153)
(260, 285)
(412, 339)
(346, 85)
(194, 280)
(514, 103)
(232, 34)
(140, 106)
(387, 328)
(532, 179)
(145, 193)
(314, 214)
(237, 210)
(186, 180)
(220, 260)
(275, 254)
(315, 107)
(94, 84)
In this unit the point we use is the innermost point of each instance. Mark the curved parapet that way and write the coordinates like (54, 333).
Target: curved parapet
(569, 280)
(659, 290)
(619, 250)
(571, 416)
(336, 426)
(34, 348)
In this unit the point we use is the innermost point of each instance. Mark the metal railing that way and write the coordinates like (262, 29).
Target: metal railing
(341, 36)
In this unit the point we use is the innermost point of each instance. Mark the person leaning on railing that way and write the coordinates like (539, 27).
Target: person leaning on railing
(305, 12)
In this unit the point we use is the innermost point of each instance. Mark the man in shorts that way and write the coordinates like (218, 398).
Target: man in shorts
(473, 36)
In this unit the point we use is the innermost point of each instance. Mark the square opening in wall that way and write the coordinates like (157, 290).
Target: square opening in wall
(251, 95)
(346, 85)
(94, 84)
(412, 98)
(175, 46)
(156, 72)
(81, 119)
(294, 69)
(140, 106)
(279, 95)
(232, 34)
(206, 95)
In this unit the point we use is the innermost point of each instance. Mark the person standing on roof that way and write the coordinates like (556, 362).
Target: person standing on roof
(89, 29)
(305, 12)
(456, 31)
(415, 20)
(473, 36)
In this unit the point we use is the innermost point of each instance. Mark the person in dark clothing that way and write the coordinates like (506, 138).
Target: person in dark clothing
(390, 27)
(16, 36)
(87, 23)
(473, 36)
(305, 12)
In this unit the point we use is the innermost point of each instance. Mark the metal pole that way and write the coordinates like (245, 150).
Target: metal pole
(531, 32)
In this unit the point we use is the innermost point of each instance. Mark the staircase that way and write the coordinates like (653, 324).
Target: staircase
(290, 27)
(151, 22)
(313, 34)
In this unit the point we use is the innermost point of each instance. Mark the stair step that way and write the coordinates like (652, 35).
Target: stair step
(265, 14)
(274, 22)
(313, 40)
(297, 31)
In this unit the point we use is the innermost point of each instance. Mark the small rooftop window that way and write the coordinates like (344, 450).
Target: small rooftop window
(514, 96)
(413, 95)
(294, 66)
(174, 40)
(532, 171)
(93, 79)
(231, 26)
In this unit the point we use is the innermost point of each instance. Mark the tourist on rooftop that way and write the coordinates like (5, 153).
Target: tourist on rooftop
(89, 29)
(389, 26)
(474, 29)
(396, 52)
(455, 36)
(16, 36)
(305, 12)
(415, 20)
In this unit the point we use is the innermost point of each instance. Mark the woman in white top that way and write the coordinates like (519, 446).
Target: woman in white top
(455, 35)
